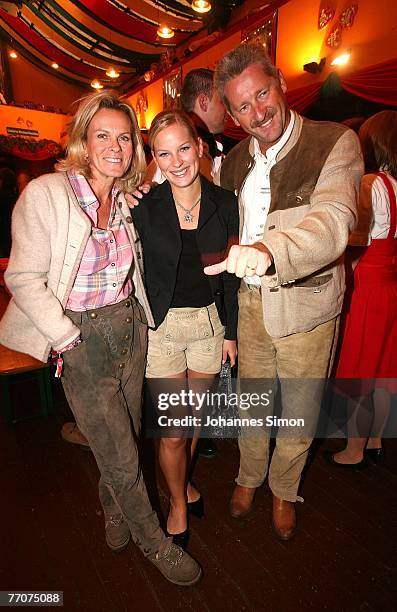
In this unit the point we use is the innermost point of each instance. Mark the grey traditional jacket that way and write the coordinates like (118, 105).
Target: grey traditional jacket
(314, 190)
(49, 235)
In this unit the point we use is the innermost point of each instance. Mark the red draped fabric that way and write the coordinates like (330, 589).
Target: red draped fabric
(377, 83)
(301, 99)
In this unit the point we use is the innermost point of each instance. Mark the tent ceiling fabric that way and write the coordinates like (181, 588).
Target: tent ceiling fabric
(85, 37)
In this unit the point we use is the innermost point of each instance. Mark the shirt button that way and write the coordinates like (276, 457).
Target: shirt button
(127, 337)
(124, 351)
(128, 219)
(128, 320)
(111, 240)
(93, 315)
(114, 284)
(127, 304)
(113, 264)
(121, 366)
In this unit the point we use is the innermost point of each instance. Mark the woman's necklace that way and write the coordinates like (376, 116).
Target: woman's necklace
(188, 217)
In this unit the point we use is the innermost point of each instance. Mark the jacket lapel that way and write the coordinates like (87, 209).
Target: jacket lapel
(208, 205)
(165, 210)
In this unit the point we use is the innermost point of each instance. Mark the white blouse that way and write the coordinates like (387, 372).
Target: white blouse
(374, 211)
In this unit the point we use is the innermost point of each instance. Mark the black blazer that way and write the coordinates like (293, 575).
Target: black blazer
(157, 223)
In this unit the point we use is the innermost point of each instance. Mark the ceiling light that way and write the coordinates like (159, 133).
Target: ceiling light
(341, 60)
(13, 54)
(112, 73)
(55, 65)
(201, 6)
(96, 84)
(165, 32)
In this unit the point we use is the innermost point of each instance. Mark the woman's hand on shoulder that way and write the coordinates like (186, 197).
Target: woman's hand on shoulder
(133, 199)
(229, 349)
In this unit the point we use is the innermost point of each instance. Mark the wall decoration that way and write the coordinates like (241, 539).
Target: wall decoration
(140, 109)
(172, 85)
(264, 34)
(334, 38)
(346, 19)
(325, 15)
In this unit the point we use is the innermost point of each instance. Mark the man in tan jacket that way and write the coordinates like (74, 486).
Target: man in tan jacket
(297, 183)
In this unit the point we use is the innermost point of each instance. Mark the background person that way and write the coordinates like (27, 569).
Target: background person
(185, 223)
(77, 289)
(297, 183)
(368, 351)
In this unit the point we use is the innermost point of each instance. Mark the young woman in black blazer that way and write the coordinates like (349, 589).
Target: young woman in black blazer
(185, 224)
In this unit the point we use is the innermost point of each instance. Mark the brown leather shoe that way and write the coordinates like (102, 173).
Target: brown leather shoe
(284, 518)
(71, 433)
(241, 501)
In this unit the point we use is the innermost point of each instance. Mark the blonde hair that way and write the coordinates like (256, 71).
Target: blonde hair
(167, 118)
(76, 160)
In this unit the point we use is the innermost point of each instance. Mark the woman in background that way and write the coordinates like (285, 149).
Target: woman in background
(369, 342)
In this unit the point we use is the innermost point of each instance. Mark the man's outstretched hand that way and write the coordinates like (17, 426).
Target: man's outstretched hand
(244, 260)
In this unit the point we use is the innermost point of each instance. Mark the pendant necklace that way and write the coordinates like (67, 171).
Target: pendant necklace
(188, 217)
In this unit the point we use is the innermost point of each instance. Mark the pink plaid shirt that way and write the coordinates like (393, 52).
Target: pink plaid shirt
(102, 277)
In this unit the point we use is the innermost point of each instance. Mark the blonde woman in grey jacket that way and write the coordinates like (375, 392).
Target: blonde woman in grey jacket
(77, 290)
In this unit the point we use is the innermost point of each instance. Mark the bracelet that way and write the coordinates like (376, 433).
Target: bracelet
(71, 345)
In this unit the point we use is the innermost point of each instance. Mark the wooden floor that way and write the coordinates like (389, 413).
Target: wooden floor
(343, 558)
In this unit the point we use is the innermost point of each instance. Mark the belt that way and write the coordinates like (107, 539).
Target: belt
(103, 310)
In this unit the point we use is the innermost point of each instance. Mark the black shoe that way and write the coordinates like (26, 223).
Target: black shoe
(180, 539)
(330, 457)
(196, 508)
(375, 455)
(206, 448)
